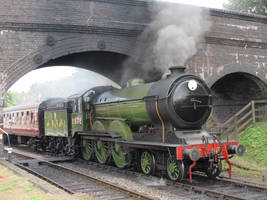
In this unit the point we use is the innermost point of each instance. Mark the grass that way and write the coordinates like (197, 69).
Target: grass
(15, 187)
(255, 140)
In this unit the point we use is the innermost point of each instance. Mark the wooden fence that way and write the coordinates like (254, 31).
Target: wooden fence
(255, 111)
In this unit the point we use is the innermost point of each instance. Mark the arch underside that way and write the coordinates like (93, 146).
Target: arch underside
(103, 54)
(235, 90)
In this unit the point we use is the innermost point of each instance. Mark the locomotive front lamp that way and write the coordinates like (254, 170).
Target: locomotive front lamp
(192, 85)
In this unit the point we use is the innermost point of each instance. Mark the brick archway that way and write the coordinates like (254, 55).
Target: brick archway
(233, 91)
(227, 69)
(54, 49)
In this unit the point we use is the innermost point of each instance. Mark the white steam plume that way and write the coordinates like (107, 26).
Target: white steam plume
(170, 39)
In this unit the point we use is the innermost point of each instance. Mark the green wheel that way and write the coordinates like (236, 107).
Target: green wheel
(101, 151)
(120, 156)
(87, 149)
(175, 169)
(147, 163)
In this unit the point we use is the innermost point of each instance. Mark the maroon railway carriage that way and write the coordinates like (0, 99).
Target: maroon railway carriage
(22, 120)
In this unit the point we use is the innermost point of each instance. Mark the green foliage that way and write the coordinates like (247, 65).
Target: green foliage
(255, 141)
(10, 99)
(249, 6)
(14, 98)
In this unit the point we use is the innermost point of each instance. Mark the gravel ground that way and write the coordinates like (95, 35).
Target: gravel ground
(152, 186)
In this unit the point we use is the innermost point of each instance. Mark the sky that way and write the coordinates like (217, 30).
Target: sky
(40, 76)
(53, 73)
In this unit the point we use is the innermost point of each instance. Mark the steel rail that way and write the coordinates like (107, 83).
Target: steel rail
(43, 177)
(237, 183)
(244, 184)
(222, 194)
(110, 185)
(98, 181)
(209, 192)
(185, 186)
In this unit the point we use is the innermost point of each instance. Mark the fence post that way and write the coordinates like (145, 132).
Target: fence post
(235, 124)
(253, 111)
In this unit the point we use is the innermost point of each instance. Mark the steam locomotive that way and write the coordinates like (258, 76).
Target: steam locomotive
(155, 127)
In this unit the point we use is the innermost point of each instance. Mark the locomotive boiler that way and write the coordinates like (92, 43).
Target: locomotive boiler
(152, 127)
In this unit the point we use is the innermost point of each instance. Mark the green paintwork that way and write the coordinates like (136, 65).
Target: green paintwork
(146, 163)
(76, 122)
(79, 116)
(101, 151)
(119, 156)
(134, 111)
(122, 128)
(100, 125)
(174, 169)
(87, 149)
(101, 147)
(56, 123)
(135, 92)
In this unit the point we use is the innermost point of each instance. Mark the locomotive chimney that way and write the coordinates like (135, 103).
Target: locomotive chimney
(177, 70)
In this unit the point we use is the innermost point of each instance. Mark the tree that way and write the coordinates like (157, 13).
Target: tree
(11, 99)
(249, 6)
(15, 98)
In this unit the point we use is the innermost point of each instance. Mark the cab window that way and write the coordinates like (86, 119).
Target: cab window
(75, 106)
(79, 104)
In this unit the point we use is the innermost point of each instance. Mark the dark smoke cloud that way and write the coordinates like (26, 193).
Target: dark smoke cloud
(170, 39)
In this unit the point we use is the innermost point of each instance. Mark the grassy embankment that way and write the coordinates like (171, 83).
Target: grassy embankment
(255, 140)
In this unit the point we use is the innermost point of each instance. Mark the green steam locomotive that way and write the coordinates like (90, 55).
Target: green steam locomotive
(153, 127)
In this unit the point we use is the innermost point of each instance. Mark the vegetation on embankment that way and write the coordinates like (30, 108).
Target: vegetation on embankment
(255, 140)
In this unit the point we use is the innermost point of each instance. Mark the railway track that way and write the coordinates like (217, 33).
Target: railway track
(206, 188)
(73, 181)
(226, 189)
(202, 187)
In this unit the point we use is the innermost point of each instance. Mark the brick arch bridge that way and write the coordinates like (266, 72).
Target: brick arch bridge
(102, 33)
